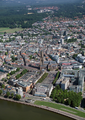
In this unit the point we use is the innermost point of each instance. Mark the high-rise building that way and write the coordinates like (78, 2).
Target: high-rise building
(62, 41)
(41, 60)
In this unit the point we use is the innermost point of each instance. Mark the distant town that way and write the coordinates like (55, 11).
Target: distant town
(45, 62)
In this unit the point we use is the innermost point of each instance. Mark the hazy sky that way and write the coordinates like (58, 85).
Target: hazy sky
(35, 2)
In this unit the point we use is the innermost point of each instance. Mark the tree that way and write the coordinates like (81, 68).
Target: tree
(6, 53)
(59, 99)
(4, 63)
(74, 56)
(3, 79)
(69, 102)
(12, 72)
(57, 76)
(18, 97)
(7, 94)
(0, 92)
(13, 58)
(21, 35)
(70, 98)
(17, 76)
(58, 87)
(48, 69)
(18, 69)
(62, 100)
(73, 103)
(3, 86)
(8, 74)
(12, 94)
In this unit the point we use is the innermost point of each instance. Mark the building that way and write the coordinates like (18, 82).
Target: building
(19, 91)
(7, 68)
(62, 41)
(80, 58)
(25, 86)
(2, 75)
(55, 57)
(72, 80)
(42, 90)
(65, 84)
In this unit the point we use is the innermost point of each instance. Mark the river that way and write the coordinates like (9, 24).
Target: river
(16, 111)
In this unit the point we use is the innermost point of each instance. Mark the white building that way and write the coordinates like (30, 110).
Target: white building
(80, 58)
(65, 84)
(62, 41)
(19, 91)
(55, 57)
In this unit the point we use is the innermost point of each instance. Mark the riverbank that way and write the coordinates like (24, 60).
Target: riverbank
(46, 108)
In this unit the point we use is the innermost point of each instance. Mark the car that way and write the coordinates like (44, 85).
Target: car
(76, 107)
(44, 98)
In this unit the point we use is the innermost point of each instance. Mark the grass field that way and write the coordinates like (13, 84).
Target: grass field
(8, 30)
(61, 107)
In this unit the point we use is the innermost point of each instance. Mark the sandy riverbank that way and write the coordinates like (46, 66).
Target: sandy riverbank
(46, 108)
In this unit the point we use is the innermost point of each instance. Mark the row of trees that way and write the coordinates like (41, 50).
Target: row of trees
(11, 95)
(13, 72)
(57, 76)
(21, 74)
(71, 40)
(43, 77)
(66, 97)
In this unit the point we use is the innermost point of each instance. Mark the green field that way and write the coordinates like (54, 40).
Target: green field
(61, 107)
(9, 30)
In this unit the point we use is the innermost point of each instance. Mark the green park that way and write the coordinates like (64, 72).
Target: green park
(61, 107)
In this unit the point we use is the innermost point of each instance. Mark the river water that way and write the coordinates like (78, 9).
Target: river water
(16, 111)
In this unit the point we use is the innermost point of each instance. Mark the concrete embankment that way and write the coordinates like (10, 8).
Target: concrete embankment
(46, 108)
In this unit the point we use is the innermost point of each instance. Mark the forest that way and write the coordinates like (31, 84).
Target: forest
(13, 17)
(17, 16)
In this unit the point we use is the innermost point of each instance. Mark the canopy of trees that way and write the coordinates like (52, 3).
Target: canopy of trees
(17, 17)
(43, 77)
(57, 76)
(18, 97)
(66, 97)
